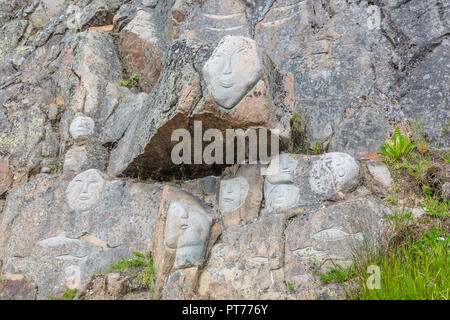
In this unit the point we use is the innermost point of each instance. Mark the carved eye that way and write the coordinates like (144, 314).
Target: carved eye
(240, 50)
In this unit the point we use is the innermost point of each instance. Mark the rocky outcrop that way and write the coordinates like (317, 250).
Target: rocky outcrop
(81, 150)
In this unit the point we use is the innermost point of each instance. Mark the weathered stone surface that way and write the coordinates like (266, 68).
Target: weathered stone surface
(5, 175)
(181, 239)
(118, 122)
(142, 48)
(245, 264)
(83, 157)
(17, 288)
(380, 173)
(46, 10)
(62, 246)
(179, 99)
(240, 196)
(210, 20)
(319, 239)
(86, 70)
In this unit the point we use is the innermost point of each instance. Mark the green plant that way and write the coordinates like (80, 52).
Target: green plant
(337, 273)
(400, 146)
(66, 294)
(124, 263)
(433, 205)
(133, 81)
(56, 163)
(291, 285)
(317, 148)
(415, 270)
(147, 276)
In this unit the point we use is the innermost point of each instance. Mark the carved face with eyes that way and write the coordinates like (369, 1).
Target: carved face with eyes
(85, 190)
(81, 126)
(233, 193)
(186, 230)
(281, 196)
(232, 70)
(333, 172)
(283, 167)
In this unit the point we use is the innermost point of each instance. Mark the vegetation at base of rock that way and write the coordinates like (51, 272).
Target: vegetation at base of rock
(146, 276)
(131, 82)
(66, 294)
(316, 149)
(417, 269)
(399, 147)
(337, 273)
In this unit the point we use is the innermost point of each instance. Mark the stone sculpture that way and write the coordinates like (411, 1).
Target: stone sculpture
(186, 231)
(280, 196)
(233, 193)
(232, 70)
(85, 190)
(279, 190)
(284, 172)
(334, 172)
(81, 126)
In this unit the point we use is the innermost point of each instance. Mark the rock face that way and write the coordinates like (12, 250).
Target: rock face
(179, 100)
(80, 150)
(76, 226)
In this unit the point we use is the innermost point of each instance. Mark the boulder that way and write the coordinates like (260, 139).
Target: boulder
(322, 239)
(142, 48)
(60, 230)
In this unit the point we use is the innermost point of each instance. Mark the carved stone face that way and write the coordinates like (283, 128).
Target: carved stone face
(232, 70)
(333, 172)
(186, 225)
(85, 190)
(186, 230)
(284, 173)
(281, 196)
(75, 158)
(233, 193)
(81, 126)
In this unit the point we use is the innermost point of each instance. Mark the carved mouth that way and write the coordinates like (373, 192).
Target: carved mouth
(226, 84)
(228, 199)
(84, 198)
(184, 226)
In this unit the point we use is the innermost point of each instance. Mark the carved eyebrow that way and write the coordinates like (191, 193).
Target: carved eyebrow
(239, 50)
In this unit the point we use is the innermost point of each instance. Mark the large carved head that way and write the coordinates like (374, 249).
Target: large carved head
(281, 169)
(81, 126)
(233, 193)
(186, 225)
(85, 190)
(75, 158)
(280, 196)
(333, 172)
(232, 70)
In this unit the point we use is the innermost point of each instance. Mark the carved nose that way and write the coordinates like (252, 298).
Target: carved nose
(84, 188)
(185, 214)
(227, 69)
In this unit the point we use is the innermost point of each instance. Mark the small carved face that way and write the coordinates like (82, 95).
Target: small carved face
(332, 171)
(233, 193)
(282, 196)
(81, 126)
(85, 190)
(185, 225)
(75, 158)
(284, 172)
(232, 70)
